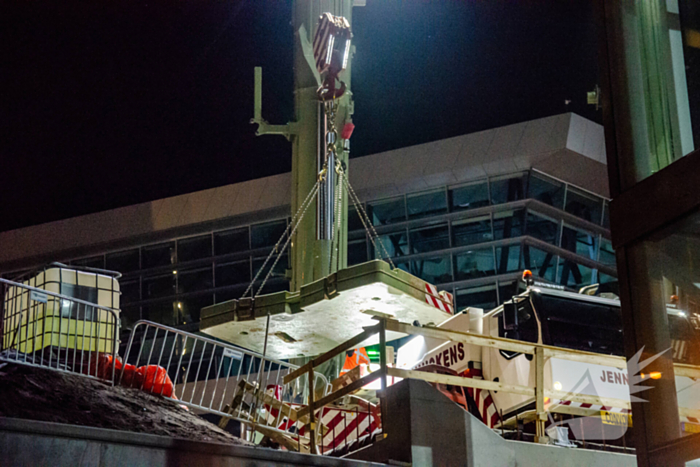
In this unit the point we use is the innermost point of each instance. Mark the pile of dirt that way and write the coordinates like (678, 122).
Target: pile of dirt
(52, 396)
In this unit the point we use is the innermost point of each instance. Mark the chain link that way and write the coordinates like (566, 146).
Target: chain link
(313, 193)
(292, 225)
(331, 108)
(366, 222)
(335, 233)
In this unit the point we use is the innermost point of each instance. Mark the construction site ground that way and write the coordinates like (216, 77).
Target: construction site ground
(52, 396)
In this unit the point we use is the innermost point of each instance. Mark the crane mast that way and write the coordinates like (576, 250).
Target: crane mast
(313, 243)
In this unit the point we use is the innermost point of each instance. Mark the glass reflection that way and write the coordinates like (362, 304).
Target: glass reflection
(474, 195)
(471, 231)
(541, 263)
(474, 264)
(483, 296)
(430, 238)
(426, 204)
(508, 188)
(387, 211)
(546, 190)
(435, 270)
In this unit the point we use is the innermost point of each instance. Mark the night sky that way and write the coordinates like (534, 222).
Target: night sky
(110, 103)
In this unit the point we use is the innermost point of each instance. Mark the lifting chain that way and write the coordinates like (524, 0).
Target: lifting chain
(331, 108)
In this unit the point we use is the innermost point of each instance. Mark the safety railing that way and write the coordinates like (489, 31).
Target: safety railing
(314, 404)
(218, 378)
(50, 330)
(546, 400)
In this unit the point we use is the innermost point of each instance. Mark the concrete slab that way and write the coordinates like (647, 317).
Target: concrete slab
(426, 428)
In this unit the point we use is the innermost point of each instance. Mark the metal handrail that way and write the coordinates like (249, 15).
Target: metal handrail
(58, 295)
(204, 339)
(201, 378)
(540, 352)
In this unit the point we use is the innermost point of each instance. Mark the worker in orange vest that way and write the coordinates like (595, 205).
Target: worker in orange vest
(358, 357)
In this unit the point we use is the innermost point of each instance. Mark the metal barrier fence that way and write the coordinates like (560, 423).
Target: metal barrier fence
(50, 330)
(213, 376)
(546, 401)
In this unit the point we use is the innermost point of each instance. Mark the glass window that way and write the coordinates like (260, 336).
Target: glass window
(574, 275)
(580, 324)
(231, 241)
(94, 262)
(426, 204)
(158, 255)
(580, 242)
(508, 188)
(543, 228)
(471, 231)
(357, 252)
(128, 315)
(669, 289)
(278, 272)
(661, 96)
(387, 211)
(508, 258)
(474, 195)
(508, 224)
(189, 249)
(237, 272)
(483, 296)
(130, 292)
(123, 261)
(276, 286)
(474, 264)
(606, 215)
(546, 190)
(162, 285)
(606, 254)
(230, 294)
(541, 263)
(396, 244)
(163, 312)
(430, 238)
(686, 73)
(191, 280)
(354, 222)
(584, 205)
(435, 270)
(268, 234)
(189, 309)
(605, 279)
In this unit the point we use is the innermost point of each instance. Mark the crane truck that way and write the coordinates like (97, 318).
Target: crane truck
(552, 316)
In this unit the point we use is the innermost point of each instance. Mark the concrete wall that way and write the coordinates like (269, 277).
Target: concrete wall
(32, 443)
(427, 429)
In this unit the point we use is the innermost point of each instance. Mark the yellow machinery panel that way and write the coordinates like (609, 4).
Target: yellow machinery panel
(79, 312)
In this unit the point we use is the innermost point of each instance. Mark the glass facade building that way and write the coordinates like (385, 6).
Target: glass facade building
(651, 52)
(471, 239)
